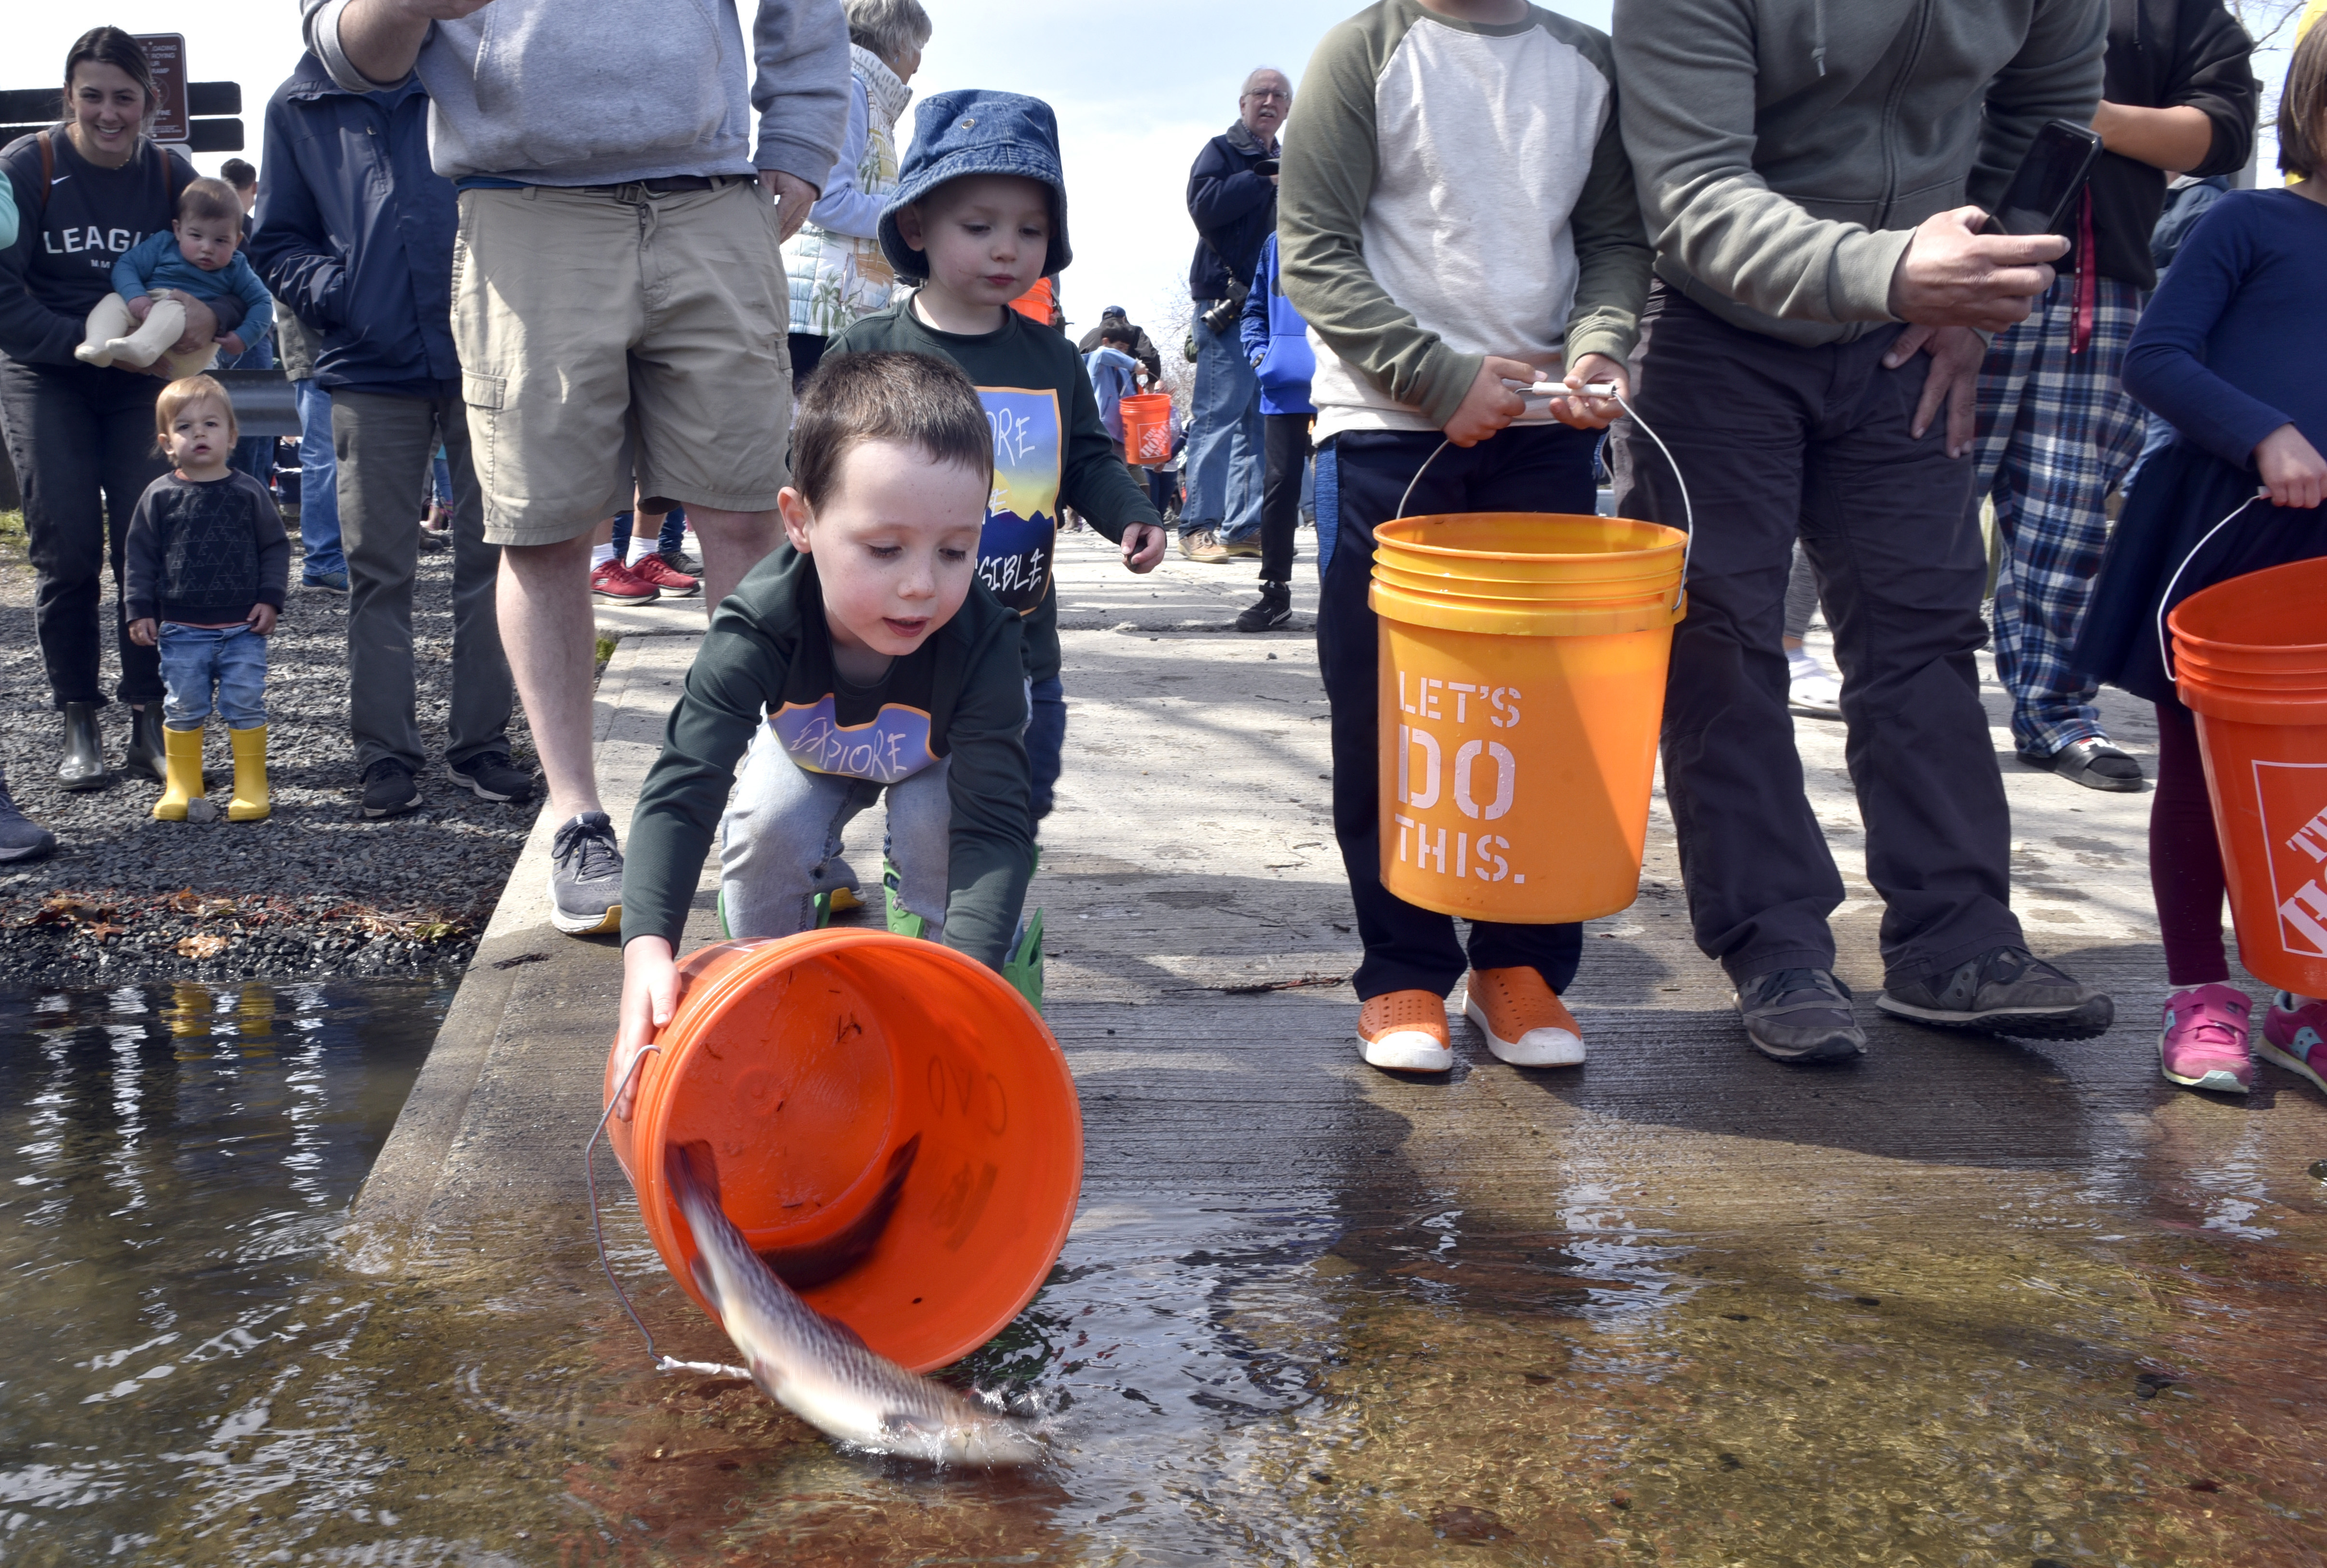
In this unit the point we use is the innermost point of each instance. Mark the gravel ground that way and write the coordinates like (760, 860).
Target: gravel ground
(313, 890)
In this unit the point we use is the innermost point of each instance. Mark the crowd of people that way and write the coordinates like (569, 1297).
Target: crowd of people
(1488, 249)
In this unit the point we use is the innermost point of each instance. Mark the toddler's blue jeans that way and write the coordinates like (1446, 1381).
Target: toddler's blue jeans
(198, 660)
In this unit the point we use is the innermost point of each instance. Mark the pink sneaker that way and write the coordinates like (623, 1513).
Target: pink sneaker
(2203, 1045)
(2292, 1037)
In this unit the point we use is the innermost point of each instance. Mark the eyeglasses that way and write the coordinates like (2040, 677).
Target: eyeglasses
(1269, 92)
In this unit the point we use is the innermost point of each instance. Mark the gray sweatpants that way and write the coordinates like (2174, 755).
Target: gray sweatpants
(385, 447)
(1780, 441)
(780, 841)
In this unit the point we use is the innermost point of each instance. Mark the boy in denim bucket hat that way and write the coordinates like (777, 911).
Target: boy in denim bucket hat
(979, 214)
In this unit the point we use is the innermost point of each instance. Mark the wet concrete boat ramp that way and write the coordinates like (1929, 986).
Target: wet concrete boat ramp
(1969, 1302)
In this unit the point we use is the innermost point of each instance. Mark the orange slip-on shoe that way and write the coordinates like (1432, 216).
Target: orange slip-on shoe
(1406, 1031)
(1525, 1021)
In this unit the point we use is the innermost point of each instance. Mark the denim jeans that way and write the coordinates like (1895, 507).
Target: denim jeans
(1046, 741)
(254, 454)
(1226, 457)
(779, 841)
(672, 539)
(319, 483)
(197, 660)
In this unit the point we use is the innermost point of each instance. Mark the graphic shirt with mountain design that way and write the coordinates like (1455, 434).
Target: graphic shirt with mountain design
(1049, 450)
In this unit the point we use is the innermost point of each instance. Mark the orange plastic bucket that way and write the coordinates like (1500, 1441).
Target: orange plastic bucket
(1146, 427)
(1518, 733)
(812, 1063)
(2250, 660)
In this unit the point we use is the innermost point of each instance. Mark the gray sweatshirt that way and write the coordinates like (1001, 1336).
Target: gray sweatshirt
(1785, 148)
(600, 92)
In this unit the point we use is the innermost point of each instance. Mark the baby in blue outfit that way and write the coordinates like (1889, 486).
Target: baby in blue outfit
(199, 258)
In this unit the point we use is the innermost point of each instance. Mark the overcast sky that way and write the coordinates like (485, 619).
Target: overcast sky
(1137, 89)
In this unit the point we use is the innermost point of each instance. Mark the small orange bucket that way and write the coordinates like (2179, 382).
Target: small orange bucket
(2250, 660)
(1146, 428)
(882, 1106)
(1523, 662)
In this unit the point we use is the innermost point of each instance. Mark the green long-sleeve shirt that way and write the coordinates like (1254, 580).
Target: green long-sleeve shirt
(1049, 449)
(961, 696)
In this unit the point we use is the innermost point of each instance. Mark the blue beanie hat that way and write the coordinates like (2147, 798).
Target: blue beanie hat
(975, 132)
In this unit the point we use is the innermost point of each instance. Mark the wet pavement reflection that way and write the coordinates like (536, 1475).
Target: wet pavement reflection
(1515, 1319)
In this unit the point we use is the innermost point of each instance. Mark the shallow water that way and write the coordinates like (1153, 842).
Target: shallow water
(173, 1162)
(2088, 1331)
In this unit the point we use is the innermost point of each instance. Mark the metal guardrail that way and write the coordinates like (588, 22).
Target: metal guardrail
(263, 401)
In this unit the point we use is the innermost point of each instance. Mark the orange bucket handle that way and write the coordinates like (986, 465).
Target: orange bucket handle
(1689, 512)
(662, 1363)
(2164, 600)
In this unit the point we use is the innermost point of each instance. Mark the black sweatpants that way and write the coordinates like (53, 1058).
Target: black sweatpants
(1775, 440)
(1360, 475)
(81, 439)
(1285, 439)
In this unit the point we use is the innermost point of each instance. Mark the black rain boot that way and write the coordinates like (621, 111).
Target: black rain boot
(1275, 609)
(148, 752)
(83, 767)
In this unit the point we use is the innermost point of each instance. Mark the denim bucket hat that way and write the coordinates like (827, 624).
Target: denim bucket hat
(975, 132)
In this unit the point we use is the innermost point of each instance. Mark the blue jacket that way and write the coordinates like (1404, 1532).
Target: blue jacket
(155, 262)
(353, 232)
(1276, 341)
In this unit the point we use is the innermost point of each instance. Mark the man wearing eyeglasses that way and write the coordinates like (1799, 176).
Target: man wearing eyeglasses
(1232, 197)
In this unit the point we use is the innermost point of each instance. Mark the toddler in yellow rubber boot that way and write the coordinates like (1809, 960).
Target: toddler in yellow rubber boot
(207, 562)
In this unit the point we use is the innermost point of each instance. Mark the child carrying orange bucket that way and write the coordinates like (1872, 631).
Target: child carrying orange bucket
(1426, 298)
(2230, 352)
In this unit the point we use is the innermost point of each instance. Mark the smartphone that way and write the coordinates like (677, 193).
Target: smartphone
(2047, 183)
(1265, 167)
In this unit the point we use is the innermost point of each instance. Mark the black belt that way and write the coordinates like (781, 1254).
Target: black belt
(672, 185)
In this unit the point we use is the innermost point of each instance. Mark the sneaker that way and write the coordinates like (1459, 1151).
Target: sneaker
(1801, 1015)
(329, 582)
(660, 575)
(1813, 691)
(1406, 1031)
(609, 579)
(1275, 609)
(2005, 991)
(2203, 1042)
(680, 561)
(2291, 1035)
(1524, 1020)
(388, 789)
(1204, 545)
(492, 776)
(585, 876)
(1247, 544)
(21, 837)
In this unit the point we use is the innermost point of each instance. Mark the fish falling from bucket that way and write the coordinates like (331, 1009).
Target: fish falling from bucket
(817, 1369)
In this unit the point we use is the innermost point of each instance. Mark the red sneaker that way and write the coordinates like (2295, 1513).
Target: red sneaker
(613, 580)
(654, 570)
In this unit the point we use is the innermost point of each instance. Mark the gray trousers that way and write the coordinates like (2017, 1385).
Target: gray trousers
(385, 447)
(1778, 441)
(780, 841)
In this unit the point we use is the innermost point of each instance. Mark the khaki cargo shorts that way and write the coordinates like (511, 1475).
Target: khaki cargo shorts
(608, 337)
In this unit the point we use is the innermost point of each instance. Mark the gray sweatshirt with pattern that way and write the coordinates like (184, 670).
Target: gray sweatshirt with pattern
(602, 92)
(1786, 148)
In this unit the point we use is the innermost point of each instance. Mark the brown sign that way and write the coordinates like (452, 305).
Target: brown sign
(166, 53)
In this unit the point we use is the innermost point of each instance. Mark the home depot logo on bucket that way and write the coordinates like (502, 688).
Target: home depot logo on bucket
(2296, 792)
(1481, 780)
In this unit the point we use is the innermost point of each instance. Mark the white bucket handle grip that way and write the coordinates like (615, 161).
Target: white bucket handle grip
(1591, 390)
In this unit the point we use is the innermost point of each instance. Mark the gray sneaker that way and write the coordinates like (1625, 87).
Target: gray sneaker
(2005, 991)
(1801, 1015)
(21, 837)
(585, 876)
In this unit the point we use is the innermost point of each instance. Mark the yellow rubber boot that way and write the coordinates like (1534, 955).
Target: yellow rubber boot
(182, 778)
(251, 801)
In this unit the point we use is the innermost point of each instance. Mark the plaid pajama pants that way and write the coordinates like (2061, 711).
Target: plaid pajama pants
(2057, 432)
